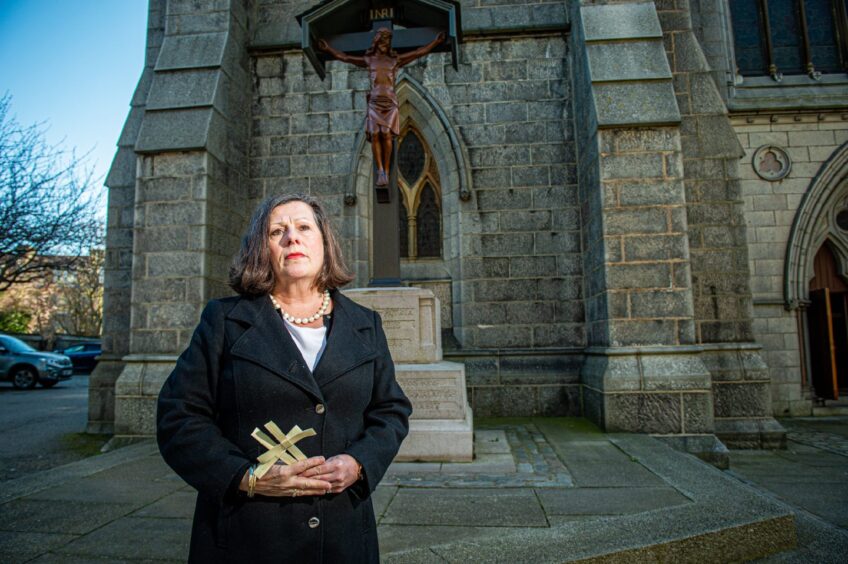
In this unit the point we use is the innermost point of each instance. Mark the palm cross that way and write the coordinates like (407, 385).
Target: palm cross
(283, 449)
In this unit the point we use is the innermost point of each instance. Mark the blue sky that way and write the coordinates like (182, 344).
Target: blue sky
(73, 64)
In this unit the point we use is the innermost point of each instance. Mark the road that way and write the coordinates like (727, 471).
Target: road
(40, 427)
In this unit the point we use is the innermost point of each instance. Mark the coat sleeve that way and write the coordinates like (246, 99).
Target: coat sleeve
(386, 420)
(189, 439)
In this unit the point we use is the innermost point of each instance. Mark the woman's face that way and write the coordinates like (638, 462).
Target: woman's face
(297, 248)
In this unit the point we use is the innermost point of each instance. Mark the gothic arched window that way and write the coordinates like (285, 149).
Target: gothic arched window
(421, 198)
(784, 37)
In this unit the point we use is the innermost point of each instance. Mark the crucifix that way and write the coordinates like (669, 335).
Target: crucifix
(382, 121)
(338, 30)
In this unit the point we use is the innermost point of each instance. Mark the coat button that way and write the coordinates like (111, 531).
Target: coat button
(313, 522)
(319, 409)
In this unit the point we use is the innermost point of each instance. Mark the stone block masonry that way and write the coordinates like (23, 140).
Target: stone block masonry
(770, 208)
(716, 235)
(642, 372)
(188, 208)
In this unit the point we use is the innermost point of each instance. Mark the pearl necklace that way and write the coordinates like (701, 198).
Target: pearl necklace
(325, 303)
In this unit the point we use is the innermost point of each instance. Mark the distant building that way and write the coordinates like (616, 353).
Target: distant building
(67, 300)
(633, 211)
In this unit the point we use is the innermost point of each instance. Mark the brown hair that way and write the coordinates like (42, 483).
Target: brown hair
(251, 273)
(377, 36)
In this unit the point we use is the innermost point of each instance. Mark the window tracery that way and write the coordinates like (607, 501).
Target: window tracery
(790, 37)
(421, 198)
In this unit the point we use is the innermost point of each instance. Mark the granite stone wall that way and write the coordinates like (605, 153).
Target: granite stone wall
(810, 140)
(717, 238)
(188, 211)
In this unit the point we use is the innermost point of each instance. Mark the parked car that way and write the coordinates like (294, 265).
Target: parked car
(24, 366)
(83, 356)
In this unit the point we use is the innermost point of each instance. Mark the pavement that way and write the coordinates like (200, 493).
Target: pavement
(46, 425)
(539, 490)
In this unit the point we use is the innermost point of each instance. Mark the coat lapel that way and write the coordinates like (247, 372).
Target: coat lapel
(348, 344)
(267, 343)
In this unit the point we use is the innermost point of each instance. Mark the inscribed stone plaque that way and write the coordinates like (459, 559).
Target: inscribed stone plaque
(411, 321)
(437, 391)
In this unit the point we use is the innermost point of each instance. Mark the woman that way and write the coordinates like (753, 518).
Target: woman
(293, 350)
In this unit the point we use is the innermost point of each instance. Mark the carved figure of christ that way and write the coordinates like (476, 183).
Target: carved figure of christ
(382, 122)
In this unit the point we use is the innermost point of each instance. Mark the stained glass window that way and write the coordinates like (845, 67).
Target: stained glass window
(823, 39)
(411, 157)
(750, 40)
(785, 37)
(421, 203)
(429, 224)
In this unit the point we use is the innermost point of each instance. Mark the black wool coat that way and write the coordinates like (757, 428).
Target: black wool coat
(241, 370)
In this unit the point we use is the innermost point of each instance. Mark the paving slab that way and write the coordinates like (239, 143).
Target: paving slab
(142, 537)
(20, 547)
(490, 441)
(485, 463)
(530, 461)
(39, 481)
(52, 516)
(467, 507)
(150, 468)
(788, 469)
(590, 458)
(398, 538)
(53, 558)
(381, 498)
(607, 501)
(820, 458)
(414, 468)
(829, 502)
(129, 491)
(179, 505)
(603, 465)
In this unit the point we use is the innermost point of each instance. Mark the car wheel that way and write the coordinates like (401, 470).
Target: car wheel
(48, 383)
(24, 378)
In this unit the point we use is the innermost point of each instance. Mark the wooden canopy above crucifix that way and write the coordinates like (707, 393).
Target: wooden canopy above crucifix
(349, 26)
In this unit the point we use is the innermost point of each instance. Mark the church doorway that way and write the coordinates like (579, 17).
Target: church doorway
(827, 320)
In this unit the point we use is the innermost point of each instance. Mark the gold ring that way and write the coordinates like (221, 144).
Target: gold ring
(295, 492)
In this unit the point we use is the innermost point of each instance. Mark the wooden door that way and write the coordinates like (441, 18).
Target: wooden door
(822, 345)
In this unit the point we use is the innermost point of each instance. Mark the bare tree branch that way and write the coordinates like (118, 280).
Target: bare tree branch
(48, 207)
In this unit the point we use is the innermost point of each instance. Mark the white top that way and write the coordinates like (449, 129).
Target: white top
(310, 341)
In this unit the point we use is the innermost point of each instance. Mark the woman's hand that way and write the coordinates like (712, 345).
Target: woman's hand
(289, 481)
(341, 471)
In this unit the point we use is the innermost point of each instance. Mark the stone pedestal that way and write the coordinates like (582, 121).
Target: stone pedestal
(441, 427)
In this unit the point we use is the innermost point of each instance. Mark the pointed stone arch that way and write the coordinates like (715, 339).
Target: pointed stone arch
(813, 224)
(432, 122)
